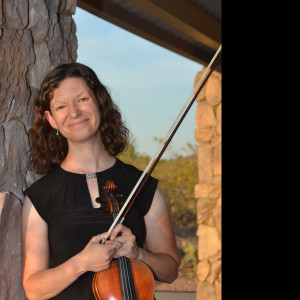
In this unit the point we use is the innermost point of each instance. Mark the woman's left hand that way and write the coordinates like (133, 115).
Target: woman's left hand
(128, 239)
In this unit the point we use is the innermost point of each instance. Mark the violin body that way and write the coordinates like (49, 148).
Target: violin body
(107, 285)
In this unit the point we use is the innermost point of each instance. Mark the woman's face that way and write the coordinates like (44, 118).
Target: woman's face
(74, 110)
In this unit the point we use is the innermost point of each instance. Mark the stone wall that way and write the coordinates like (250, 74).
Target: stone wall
(208, 189)
(35, 36)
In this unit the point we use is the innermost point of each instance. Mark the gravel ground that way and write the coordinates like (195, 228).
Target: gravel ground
(184, 283)
(163, 295)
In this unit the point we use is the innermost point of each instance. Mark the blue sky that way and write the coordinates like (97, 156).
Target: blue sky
(150, 84)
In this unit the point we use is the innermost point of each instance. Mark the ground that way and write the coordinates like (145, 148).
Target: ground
(185, 282)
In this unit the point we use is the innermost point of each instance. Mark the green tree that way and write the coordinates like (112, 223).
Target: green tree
(131, 157)
(177, 178)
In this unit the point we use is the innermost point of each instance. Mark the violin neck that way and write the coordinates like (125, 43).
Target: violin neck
(126, 279)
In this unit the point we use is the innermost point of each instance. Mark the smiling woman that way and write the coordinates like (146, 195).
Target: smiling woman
(74, 111)
(62, 220)
(62, 106)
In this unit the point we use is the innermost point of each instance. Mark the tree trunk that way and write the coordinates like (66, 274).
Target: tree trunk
(35, 37)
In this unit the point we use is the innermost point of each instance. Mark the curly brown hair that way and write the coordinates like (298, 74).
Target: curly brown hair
(48, 150)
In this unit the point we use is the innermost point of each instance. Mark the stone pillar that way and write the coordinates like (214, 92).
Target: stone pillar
(35, 36)
(10, 245)
(208, 189)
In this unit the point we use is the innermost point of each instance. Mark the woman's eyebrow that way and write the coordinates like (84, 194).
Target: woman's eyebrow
(55, 102)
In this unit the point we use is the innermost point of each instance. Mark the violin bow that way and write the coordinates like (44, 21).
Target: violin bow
(165, 142)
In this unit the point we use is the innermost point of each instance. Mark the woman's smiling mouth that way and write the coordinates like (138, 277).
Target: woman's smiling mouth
(79, 123)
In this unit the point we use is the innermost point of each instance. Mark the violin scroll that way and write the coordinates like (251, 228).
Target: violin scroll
(105, 202)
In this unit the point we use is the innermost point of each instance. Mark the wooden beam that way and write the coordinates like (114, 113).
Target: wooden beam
(186, 17)
(134, 24)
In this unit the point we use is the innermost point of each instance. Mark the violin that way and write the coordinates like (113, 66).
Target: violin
(125, 279)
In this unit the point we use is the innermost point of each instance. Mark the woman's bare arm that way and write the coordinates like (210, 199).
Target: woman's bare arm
(161, 253)
(39, 281)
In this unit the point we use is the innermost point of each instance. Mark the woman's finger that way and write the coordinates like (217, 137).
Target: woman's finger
(120, 230)
(114, 245)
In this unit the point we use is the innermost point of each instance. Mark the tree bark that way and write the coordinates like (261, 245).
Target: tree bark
(35, 37)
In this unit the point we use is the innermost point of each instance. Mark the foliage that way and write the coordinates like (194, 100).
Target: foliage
(131, 157)
(177, 178)
(190, 256)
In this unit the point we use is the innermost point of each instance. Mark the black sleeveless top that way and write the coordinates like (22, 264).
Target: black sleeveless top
(63, 200)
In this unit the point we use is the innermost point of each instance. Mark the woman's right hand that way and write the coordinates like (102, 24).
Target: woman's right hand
(40, 281)
(97, 257)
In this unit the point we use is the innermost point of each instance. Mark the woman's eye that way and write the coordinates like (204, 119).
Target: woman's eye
(60, 107)
(82, 99)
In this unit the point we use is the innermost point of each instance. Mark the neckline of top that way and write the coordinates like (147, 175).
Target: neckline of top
(83, 174)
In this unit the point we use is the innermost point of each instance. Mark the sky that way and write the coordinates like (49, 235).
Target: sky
(149, 83)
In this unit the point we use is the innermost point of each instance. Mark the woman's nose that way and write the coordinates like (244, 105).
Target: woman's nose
(74, 112)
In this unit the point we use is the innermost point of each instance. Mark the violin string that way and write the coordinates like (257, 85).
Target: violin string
(121, 269)
(125, 283)
(122, 277)
(128, 276)
(128, 291)
(127, 287)
(161, 145)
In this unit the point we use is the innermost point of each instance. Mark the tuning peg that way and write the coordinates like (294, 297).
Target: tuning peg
(104, 207)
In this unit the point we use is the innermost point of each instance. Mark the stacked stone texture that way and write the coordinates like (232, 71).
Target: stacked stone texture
(208, 189)
(35, 36)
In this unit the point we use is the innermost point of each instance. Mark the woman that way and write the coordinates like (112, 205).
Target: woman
(76, 135)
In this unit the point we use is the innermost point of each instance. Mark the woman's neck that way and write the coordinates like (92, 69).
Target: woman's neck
(87, 158)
